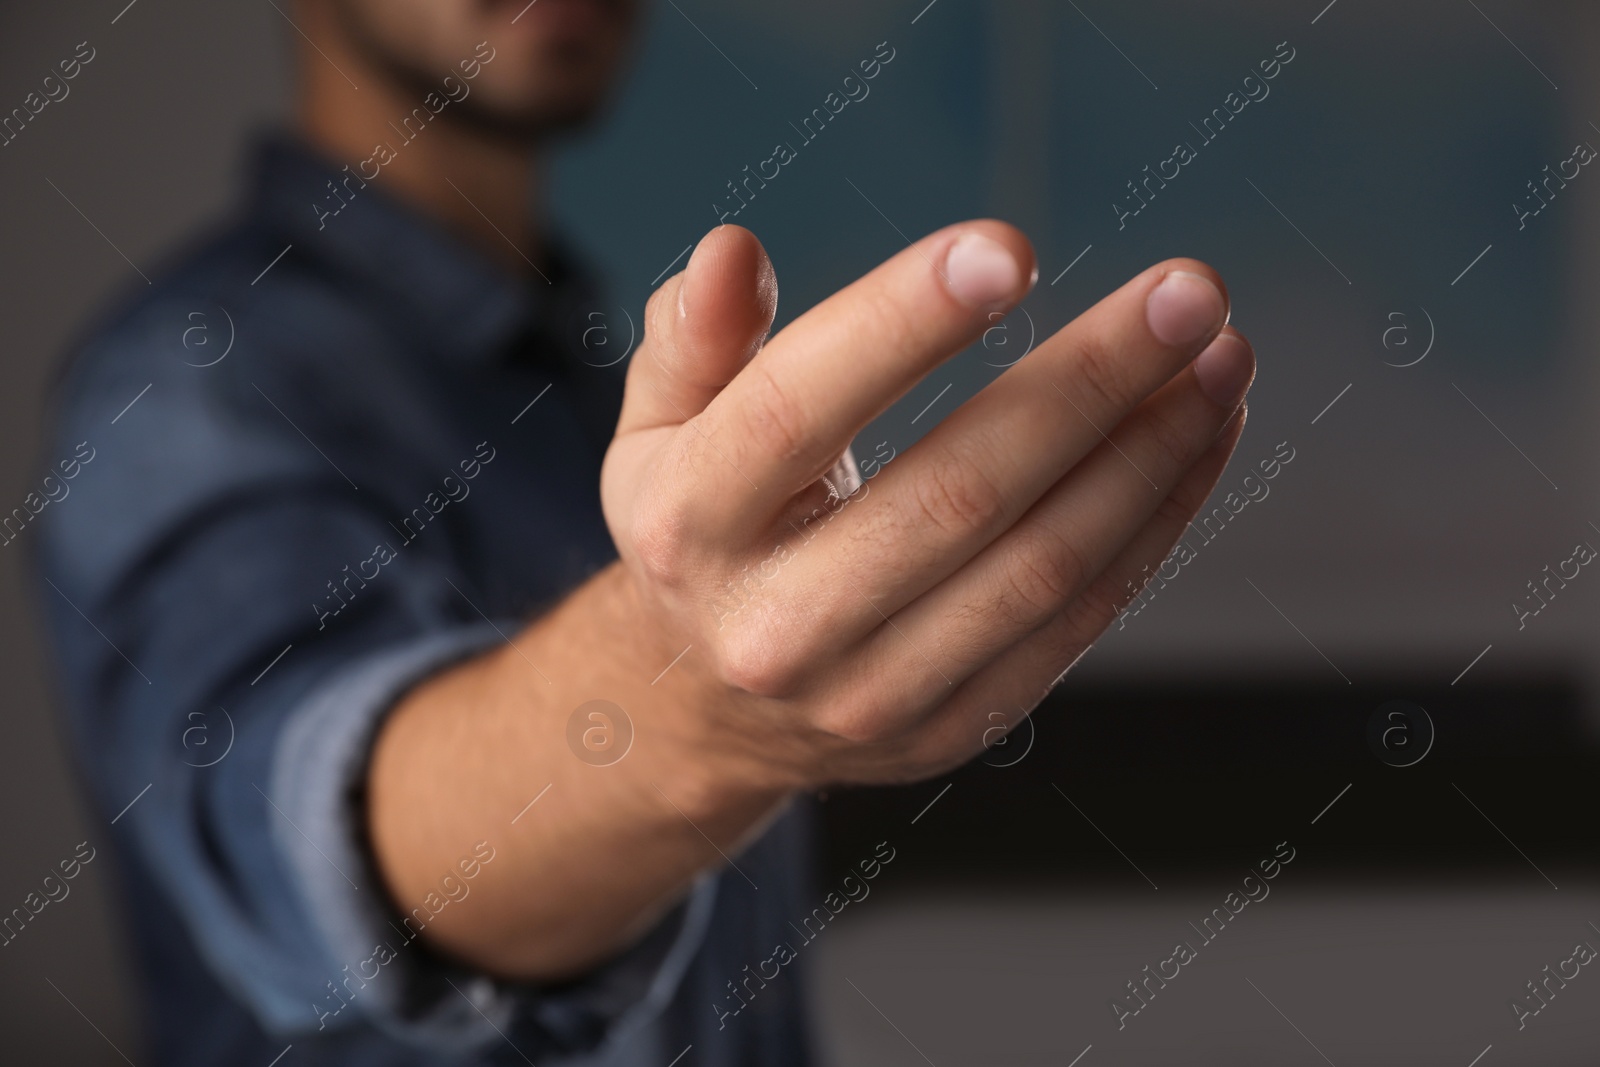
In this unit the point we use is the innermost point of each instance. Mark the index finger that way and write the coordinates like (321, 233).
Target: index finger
(790, 413)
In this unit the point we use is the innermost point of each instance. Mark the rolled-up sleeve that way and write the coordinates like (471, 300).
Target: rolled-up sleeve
(187, 580)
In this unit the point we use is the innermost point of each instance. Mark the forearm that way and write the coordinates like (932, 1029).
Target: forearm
(869, 645)
(607, 848)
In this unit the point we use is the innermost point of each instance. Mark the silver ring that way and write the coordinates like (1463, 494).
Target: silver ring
(843, 478)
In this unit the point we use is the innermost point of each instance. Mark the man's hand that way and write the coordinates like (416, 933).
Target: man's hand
(867, 639)
(810, 639)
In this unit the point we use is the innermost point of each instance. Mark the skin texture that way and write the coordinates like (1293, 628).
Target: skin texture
(962, 580)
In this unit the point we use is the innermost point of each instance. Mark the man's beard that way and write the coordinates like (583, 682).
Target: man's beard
(530, 125)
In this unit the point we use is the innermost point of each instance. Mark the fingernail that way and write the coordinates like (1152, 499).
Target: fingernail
(981, 272)
(1225, 370)
(689, 272)
(1185, 308)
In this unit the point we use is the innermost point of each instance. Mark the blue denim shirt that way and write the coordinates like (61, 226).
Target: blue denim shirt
(322, 456)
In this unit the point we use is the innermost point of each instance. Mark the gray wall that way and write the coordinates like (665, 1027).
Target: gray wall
(145, 146)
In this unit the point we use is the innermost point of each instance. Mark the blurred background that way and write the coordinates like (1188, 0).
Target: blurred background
(1426, 360)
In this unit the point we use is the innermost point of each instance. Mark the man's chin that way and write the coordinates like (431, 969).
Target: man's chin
(534, 122)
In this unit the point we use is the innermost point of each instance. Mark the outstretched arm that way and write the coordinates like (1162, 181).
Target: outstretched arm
(829, 640)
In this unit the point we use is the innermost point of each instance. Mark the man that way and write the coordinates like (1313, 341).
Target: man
(344, 598)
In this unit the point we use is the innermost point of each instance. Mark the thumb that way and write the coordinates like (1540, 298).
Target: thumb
(701, 327)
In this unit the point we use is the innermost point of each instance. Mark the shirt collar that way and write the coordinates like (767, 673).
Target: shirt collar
(465, 305)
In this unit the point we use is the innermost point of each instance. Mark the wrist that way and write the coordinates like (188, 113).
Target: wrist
(710, 753)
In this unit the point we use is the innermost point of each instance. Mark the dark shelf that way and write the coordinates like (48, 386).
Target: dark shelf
(1191, 781)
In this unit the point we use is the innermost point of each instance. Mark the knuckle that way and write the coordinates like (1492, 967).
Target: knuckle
(1044, 576)
(1102, 601)
(1174, 445)
(1175, 511)
(955, 496)
(1103, 375)
(888, 314)
(859, 722)
(775, 421)
(658, 544)
(660, 537)
(752, 658)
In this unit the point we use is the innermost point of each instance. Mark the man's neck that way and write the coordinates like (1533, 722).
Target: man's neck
(485, 189)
